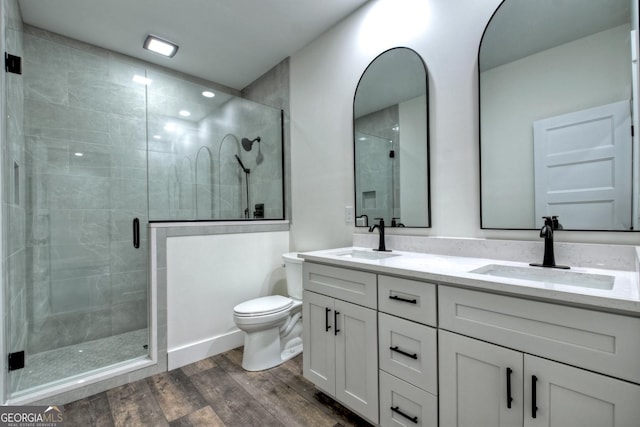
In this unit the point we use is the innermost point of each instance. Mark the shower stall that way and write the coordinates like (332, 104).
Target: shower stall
(95, 146)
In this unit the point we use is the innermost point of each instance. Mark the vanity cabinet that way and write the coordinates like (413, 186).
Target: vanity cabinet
(400, 351)
(483, 384)
(341, 338)
(486, 383)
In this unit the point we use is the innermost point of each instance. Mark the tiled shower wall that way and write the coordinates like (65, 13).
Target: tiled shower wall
(193, 172)
(13, 200)
(85, 145)
(378, 174)
(81, 99)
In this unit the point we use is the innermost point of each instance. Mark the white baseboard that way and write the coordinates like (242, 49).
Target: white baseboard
(196, 351)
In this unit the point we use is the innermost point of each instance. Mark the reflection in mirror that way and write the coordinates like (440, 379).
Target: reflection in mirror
(391, 147)
(555, 115)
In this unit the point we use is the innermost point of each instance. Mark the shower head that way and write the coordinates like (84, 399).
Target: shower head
(247, 143)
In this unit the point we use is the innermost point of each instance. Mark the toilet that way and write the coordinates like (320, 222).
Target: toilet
(273, 324)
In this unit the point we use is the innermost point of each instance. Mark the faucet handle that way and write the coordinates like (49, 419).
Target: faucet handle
(548, 220)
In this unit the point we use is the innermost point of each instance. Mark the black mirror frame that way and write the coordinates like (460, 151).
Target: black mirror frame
(428, 141)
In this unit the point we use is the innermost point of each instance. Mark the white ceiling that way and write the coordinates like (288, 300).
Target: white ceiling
(230, 42)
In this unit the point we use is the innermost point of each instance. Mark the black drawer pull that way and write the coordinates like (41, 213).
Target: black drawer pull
(397, 350)
(509, 398)
(399, 412)
(335, 322)
(397, 298)
(326, 319)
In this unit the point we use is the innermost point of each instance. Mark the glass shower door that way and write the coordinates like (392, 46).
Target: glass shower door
(76, 291)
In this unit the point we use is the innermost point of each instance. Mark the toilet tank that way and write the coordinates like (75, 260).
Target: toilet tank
(293, 271)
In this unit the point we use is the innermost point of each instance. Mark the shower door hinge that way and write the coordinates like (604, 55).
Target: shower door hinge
(12, 63)
(16, 360)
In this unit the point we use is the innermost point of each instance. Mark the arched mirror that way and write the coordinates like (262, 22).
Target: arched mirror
(556, 95)
(391, 143)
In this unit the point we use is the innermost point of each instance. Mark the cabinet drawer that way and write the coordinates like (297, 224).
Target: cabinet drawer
(409, 351)
(358, 287)
(601, 342)
(411, 406)
(410, 299)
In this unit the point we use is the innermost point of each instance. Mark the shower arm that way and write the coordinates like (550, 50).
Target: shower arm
(246, 178)
(245, 170)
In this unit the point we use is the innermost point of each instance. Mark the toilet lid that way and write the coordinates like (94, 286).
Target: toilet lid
(262, 306)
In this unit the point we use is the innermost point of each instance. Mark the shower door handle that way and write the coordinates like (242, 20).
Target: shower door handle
(136, 233)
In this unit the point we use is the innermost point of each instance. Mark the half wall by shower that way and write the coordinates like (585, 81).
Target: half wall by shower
(95, 140)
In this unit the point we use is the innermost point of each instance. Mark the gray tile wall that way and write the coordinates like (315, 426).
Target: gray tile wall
(193, 172)
(13, 199)
(377, 174)
(272, 88)
(85, 280)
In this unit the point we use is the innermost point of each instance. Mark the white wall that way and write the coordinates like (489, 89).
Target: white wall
(209, 275)
(413, 204)
(324, 76)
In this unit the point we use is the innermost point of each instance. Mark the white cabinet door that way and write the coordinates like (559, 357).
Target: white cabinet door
(356, 345)
(570, 397)
(476, 381)
(318, 363)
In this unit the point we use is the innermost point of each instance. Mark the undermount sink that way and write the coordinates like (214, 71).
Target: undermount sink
(548, 275)
(363, 254)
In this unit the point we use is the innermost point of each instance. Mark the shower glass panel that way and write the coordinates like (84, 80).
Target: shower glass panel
(77, 299)
(198, 167)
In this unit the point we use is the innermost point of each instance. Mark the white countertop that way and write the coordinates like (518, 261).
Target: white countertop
(624, 296)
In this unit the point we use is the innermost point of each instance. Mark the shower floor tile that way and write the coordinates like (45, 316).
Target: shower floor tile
(60, 364)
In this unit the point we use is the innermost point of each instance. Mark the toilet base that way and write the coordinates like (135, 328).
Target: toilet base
(292, 349)
(261, 350)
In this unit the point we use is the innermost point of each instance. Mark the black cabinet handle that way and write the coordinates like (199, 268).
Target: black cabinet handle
(509, 398)
(534, 407)
(326, 319)
(397, 298)
(397, 410)
(335, 322)
(397, 350)
(136, 233)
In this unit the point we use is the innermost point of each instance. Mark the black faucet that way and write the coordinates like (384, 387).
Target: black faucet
(395, 223)
(366, 219)
(548, 260)
(380, 227)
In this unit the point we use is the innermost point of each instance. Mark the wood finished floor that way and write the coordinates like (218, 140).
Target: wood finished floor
(214, 392)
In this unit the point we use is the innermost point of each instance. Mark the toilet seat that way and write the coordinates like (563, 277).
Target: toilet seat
(263, 306)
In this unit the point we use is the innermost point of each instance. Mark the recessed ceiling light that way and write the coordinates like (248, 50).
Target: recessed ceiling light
(78, 154)
(161, 46)
(208, 94)
(141, 80)
(184, 113)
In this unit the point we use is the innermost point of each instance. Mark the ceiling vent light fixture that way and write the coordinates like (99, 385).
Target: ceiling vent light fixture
(161, 46)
